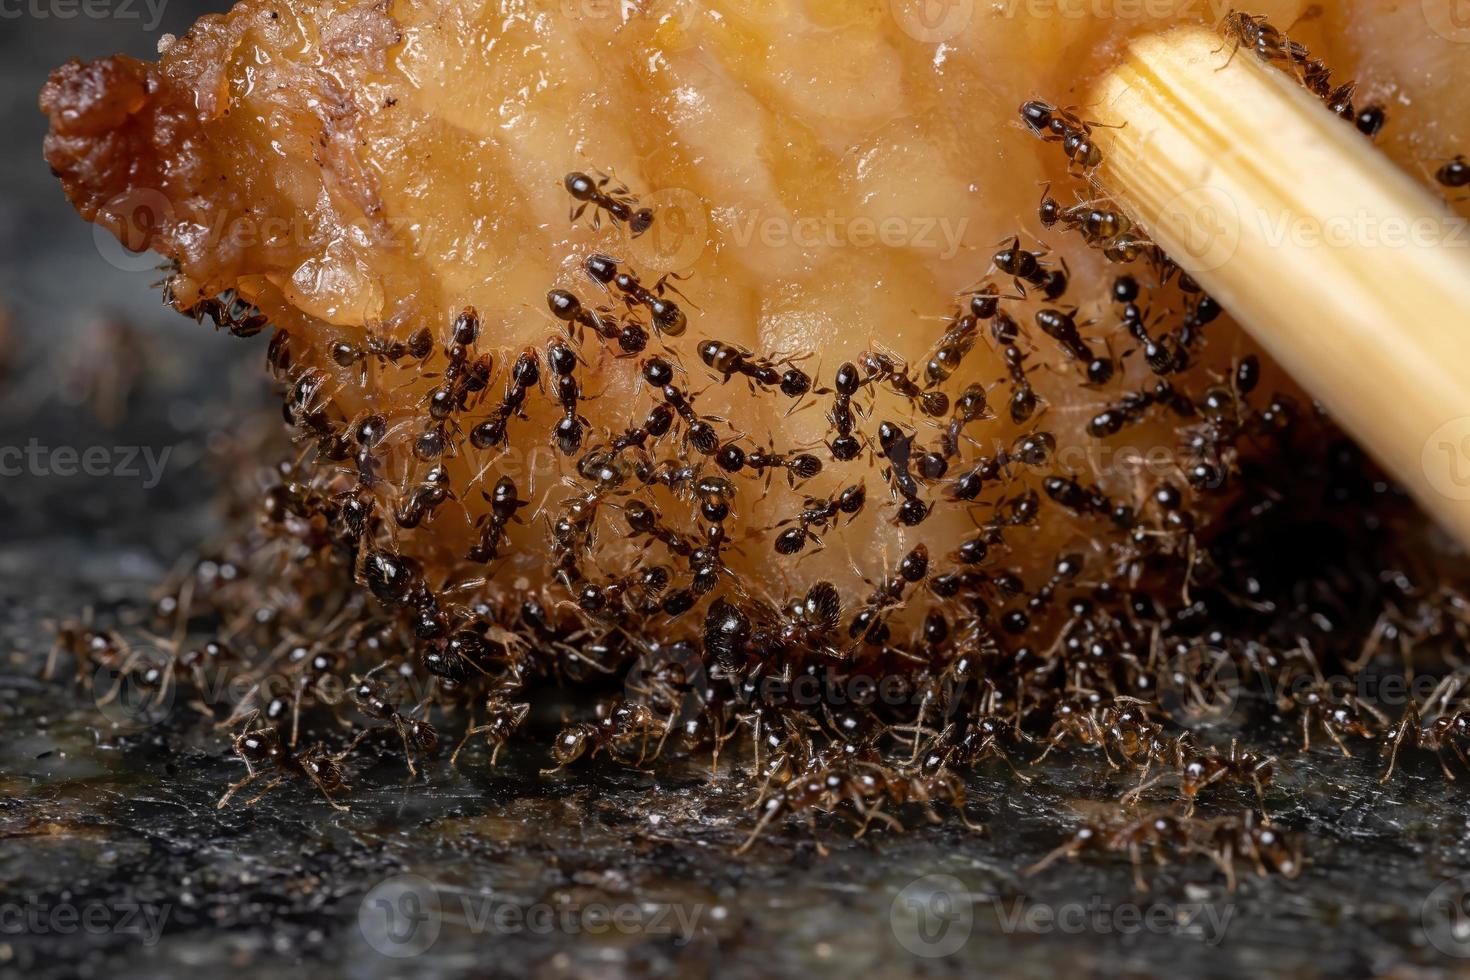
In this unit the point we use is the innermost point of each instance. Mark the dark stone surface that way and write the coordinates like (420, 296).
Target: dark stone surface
(506, 870)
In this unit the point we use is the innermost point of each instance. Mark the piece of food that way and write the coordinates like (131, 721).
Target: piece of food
(727, 322)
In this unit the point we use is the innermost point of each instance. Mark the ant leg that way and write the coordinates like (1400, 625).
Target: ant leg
(469, 734)
(268, 787)
(235, 788)
(1069, 849)
(327, 796)
(1331, 731)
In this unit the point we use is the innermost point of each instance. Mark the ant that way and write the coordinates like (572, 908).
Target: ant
(562, 360)
(1455, 174)
(617, 202)
(1096, 224)
(1263, 844)
(502, 718)
(226, 310)
(799, 467)
(867, 624)
(1135, 405)
(263, 754)
(1027, 267)
(1054, 125)
(665, 314)
(1024, 399)
(504, 503)
(623, 722)
(728, 360)
(884, 368)
(898, 448)
(375, 700)
(1061, 326)
(819, 512)
(461, 376)
(643, 519)
(525, 374)
(418, 346)
(424, 499)
(1133, 835)
(1032, 450)
(631, 338)
(92, 648)
(1444, 732)
(846, 446)
(701, 434)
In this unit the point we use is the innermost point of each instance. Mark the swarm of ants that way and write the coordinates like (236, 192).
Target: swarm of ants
(330, 623)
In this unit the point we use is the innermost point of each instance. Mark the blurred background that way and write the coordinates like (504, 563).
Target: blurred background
(104, 393)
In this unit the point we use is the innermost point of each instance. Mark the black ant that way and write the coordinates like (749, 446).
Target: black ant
(420, 503)
(562, 360)
(504, 503)
(226, 310)
(1096, 224)
(525, 374)
(728, 360)
(631, 338)
(386, 350)
(1061, 326)
(263, 754)
(616, 201)
(1135, 405)
(375, 700)
(884, 368)
(819, 512)
(798, 466)
(1455, 174)
(502, 718)
(1027, 267)
(897, 447)
(666, 316)
(700, 432)
(1024, 400)
(1033, 449)
(845, 446)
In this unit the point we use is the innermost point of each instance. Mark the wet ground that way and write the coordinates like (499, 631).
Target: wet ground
(115, 861)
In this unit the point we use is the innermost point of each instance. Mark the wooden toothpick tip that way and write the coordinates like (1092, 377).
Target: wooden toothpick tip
(1355, 278)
